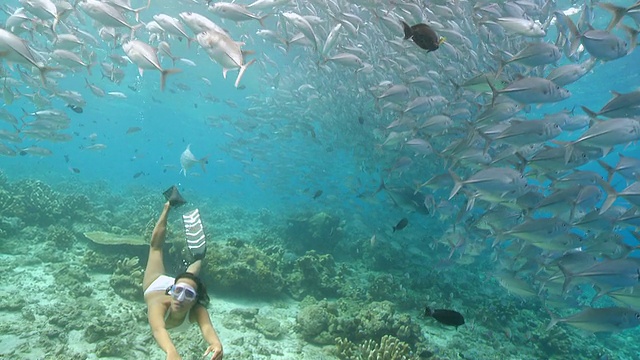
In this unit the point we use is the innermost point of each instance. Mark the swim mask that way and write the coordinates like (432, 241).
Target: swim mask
(182, 292)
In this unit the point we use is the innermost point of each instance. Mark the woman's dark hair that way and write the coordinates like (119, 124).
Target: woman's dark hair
(202, 297)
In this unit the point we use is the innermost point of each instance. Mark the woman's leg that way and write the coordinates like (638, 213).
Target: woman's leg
(195, 267)
(155, 264)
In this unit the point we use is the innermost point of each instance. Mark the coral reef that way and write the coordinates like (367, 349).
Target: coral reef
(72, 280)
(98, 262)
(240, 268)
(315, 321)
(320, 232)
(389, 348)
(37, 203)
(313, 275)
(60, 236)
(126, 280)
(321, 322)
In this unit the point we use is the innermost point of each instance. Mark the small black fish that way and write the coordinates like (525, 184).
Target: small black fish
(76, 109)
(447, 317)
(401, 224)
(75, 170)
(317, 194)
(138, 174)
(360, 120)
(66, 159)
(423, 35)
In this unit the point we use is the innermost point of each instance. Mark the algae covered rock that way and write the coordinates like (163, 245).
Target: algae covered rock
(240, 268)
(324, 321)
(269, 327)
(314, 321)
(313, 275)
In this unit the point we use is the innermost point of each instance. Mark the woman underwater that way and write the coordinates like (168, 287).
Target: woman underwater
(175, 303)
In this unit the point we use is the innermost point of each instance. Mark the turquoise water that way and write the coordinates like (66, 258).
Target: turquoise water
(292, 129)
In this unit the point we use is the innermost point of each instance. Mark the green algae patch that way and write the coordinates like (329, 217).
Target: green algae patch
(107, 238)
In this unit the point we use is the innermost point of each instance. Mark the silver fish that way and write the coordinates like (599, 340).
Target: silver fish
(533, 90)
(610, 319)
(188, 160)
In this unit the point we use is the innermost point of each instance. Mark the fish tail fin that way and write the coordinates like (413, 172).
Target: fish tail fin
(394, 229)
(163, 77)
(633, 37)
(203, 163)
(554, 320)
(56, 20)
(612, 195)
(617, 11)
(568, 152)
(261, 19)
(457, 184)
(610, 170)
(243, 68)
(43, 73)
(381, 186)
(494, 91)
(427, 311)
(134, 28)
(568, 277)
(589, 112)
(407, 30)
(137, 11)
(574, 39)
(455, 85)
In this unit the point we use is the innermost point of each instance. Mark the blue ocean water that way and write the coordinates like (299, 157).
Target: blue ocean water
(271, 145)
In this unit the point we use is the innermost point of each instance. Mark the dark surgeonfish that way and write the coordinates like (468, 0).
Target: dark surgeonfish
(423, 35)
(444, 316)
(401, 224)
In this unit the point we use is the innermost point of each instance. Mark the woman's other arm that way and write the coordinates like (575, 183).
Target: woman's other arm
(156, 321)
(208, 333)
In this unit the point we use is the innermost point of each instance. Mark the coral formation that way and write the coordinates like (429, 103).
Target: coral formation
(269, 327)
(108, 238)
(37, 203)
(72, 280)
(60, 236)
(313, 275)
(320, 232)
(321, 322)
(126, 280)
(315, 321)
(99, 262)
(389, 348)
(240, 268)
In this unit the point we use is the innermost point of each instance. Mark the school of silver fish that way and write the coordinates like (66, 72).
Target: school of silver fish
(449, 126)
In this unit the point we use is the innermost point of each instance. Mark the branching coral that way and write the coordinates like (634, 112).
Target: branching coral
(60, 236)
(389, 348)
